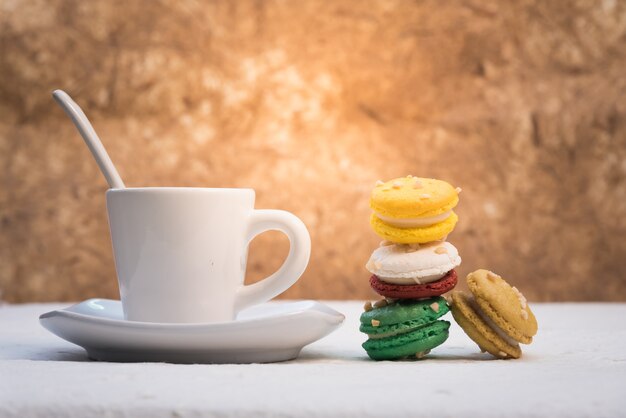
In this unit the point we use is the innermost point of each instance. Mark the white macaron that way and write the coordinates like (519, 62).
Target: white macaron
(410, 264)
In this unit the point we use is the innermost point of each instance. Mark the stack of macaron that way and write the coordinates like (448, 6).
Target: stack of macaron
(412, 268)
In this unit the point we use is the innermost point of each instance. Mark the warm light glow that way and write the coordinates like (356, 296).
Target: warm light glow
(310, 103)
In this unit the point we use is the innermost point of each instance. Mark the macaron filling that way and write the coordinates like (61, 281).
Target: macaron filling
(391, 333)
(414, 222)
(413, 280)
(491, 324)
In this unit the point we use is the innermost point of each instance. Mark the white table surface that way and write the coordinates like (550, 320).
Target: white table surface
(576, 367)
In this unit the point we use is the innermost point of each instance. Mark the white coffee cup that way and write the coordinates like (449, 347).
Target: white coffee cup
(180, 253)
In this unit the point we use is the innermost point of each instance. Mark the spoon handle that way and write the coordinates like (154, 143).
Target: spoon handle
(91, 138)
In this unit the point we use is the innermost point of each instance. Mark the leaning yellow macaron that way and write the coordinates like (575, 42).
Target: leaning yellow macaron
(410, 210)
(495, 315)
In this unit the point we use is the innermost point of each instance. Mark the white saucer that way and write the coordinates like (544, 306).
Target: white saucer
(275, 331)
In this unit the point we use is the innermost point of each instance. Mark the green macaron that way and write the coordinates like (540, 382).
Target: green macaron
(405, 328)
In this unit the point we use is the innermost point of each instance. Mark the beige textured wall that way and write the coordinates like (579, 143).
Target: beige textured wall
(521, 103)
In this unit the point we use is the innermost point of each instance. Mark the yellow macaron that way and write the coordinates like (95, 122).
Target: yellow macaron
(495, 315)
(411, 209)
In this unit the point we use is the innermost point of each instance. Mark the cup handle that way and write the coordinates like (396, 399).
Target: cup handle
(292, 268)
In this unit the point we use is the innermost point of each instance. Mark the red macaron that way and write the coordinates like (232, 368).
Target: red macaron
(415, 291)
